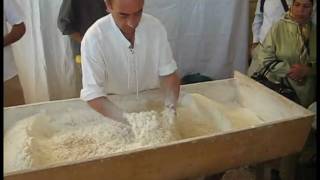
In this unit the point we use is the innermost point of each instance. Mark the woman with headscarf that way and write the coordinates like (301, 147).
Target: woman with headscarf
(292, 40)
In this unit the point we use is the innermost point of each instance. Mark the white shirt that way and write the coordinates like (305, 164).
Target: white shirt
(273, 11)
(12, 14)
(110, 67)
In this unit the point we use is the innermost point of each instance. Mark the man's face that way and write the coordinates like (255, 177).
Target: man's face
(301, 11)
(127, 14)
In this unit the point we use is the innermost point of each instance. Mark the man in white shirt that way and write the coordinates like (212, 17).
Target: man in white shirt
(265, 16)
(13, 94)
(126, 52)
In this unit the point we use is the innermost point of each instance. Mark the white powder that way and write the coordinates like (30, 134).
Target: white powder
(81, 134)
(151, 128)
(198, 115)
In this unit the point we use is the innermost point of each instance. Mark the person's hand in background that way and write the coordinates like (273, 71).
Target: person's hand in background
(299, 72)
(254, 45)
(17, 31)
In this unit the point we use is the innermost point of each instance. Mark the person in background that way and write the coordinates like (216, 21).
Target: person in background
(293, 41)
(75, 17)
(126, 52)
(267, 13)
(13, 93)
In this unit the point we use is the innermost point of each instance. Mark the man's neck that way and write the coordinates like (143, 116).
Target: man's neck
(130, 38)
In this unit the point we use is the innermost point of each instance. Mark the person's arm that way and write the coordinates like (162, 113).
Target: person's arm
(76, 36)
(299, 72)
(256, 25)
(105, 107)
(267, 52)
(169, 80)
(170, 85)
(17, 31)
(94, 77)
(67, 21)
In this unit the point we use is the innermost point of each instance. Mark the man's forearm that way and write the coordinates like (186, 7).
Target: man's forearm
(104, 106)
(171, 87)
(15, 34)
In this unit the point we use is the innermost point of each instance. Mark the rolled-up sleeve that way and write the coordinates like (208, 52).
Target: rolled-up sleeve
(93, 71)
(13, 12)
(167, 64)
(66, 19)
(257, 23)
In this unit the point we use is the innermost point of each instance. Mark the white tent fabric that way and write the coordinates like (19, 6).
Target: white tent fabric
(43, 56)
(206, 36)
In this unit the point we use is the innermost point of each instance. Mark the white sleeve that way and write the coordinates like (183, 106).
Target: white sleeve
(257, 23)
(93, 70)
(167, 64)
(12, 12)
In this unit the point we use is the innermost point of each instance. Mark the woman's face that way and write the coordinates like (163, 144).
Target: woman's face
(301, 11)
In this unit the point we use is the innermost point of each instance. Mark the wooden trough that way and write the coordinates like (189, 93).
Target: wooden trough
(284, 131)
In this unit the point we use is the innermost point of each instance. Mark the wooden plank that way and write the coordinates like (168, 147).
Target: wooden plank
(203, 155)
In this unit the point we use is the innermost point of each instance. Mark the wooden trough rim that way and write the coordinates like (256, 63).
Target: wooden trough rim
(308, 114)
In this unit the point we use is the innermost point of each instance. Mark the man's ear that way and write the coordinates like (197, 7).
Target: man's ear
(108, 6)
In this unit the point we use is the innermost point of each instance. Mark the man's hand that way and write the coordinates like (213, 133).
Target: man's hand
(17, 31)
(170, 108)
(169, 114)
(299, 72)
(104, 106)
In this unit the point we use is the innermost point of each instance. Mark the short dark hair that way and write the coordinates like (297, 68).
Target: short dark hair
(108, 1)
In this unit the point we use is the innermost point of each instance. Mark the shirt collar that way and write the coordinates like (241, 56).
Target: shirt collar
(121, 37)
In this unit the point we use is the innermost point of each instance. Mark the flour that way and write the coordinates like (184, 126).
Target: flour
(74, 135)
(20, 149)
(151, 128)
(81, 134)
(199, 115)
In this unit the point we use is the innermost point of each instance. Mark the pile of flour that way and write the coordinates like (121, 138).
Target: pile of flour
(152, 128)
(41, 139)
(81, 134)
(198, 115)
